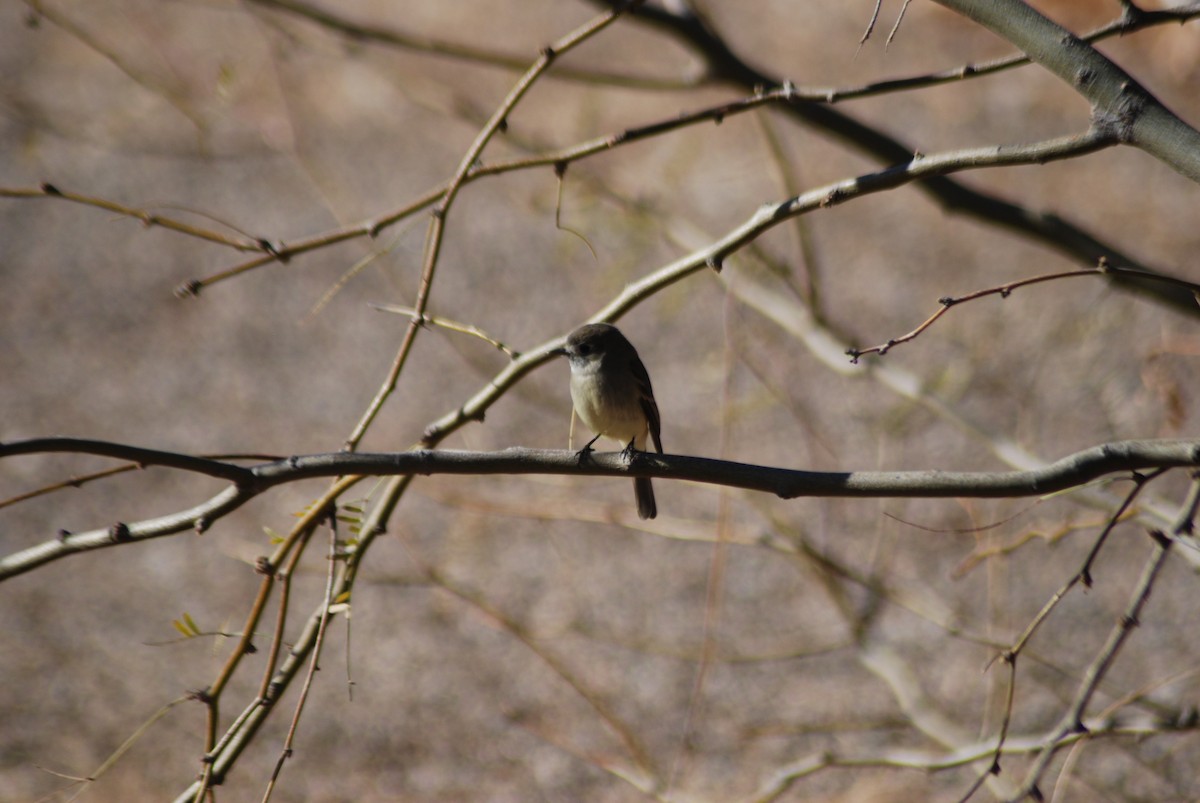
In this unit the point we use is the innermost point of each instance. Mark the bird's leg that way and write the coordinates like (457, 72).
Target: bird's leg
(628, 452)
(583, 453)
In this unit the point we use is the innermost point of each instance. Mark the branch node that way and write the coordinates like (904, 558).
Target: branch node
(834, 196)
(276, 250)
(189, 289)
(50, 189)
(715, 262)
(119, 532)
(1161, 538)
(201, 525)
(200, 696)
(264, 566)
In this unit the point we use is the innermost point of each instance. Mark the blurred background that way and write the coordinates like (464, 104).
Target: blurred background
(839, 627)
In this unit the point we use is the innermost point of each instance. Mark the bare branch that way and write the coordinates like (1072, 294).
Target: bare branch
(1050, 230)
(1004, 291)
(1119, 103)
(1069, 472)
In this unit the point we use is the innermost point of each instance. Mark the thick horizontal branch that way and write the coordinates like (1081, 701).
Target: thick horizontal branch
(1074, 470)
(1077, 469)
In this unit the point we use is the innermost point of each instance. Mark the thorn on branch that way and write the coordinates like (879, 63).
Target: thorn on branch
(715, 263)
(63, 535)
(201, 525)
(50, 189)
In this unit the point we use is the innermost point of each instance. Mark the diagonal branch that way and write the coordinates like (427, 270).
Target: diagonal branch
(1118, 101)
(1048, 229)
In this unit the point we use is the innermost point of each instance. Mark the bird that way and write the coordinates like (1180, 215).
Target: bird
(611, 393)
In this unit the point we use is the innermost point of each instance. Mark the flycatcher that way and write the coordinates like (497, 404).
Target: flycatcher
(612, 396)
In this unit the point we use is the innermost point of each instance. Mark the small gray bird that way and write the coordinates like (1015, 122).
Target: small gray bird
(612, 396)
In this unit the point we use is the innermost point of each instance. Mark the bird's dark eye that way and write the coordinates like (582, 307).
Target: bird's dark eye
(584, 349)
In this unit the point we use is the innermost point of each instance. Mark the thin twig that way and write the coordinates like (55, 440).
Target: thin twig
(446, 323)
(145, 217)
(1005, 290)
(314, 657)
(1011, 655)
(437, 222)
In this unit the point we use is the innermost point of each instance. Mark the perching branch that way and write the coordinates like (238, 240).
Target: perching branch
(1069, 472)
